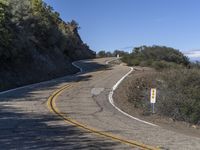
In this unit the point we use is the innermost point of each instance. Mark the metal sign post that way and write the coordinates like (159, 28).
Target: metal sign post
(153, 99)
(153, 111)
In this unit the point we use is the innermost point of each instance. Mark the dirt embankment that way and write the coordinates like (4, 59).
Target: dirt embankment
(131, 88)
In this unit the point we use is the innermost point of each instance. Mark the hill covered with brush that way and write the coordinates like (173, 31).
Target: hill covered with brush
(36, 44)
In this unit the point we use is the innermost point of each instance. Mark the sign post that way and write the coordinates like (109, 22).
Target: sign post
(153, 98)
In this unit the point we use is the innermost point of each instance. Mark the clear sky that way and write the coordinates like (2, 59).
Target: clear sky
(118, 24)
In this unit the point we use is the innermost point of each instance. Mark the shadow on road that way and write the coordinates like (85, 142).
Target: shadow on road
(23, 127)
(28, 131)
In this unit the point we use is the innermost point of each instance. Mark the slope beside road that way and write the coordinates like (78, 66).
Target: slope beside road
(82, 116)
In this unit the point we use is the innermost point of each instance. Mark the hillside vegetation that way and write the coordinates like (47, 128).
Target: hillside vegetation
(158, 57)
(104, 53)
(176, 79)
(36, 44)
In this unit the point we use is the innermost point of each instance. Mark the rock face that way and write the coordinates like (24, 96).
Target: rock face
(36, 44)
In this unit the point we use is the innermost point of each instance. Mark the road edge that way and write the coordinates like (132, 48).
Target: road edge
(111, 100)
(44, 82)
(51, 104)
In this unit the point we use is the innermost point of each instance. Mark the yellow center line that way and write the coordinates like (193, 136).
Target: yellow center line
(51, 104)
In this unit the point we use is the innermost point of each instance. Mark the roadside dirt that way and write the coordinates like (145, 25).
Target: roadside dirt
(121, 100)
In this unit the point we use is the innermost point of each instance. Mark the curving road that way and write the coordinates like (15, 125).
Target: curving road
(73, 112)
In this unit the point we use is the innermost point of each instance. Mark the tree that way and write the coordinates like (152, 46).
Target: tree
(109, 54)
(5, 22)
(37, 6)
(157, 55)
(121, 53)
(74, 24)
(101, 53)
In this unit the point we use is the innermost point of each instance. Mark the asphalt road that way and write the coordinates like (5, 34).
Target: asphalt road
(73, 112)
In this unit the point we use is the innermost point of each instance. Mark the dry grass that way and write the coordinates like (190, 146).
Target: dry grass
(178, 93)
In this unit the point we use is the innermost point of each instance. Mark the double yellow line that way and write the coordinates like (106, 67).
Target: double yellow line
(51, 103)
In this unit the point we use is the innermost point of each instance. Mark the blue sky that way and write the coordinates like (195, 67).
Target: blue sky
(118, 24)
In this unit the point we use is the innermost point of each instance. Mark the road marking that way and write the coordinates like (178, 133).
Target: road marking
(51, 104)
(110, 97)
(30, 85)
(45, 82)
(80, 69)
(108, 61)
(52, 107)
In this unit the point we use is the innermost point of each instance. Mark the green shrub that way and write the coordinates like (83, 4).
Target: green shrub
(134, 62)
(159, 57)
(32, 35)
(146, 63)
(185, 102)
(159, 65)
(178, 93)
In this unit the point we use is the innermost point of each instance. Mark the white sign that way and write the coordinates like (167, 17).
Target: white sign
(117, 55)
(153, 95)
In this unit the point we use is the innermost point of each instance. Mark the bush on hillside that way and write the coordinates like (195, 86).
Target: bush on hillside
(33, 38)
(31, 27)
(104, 53)
(178, 93)
(156, 56)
